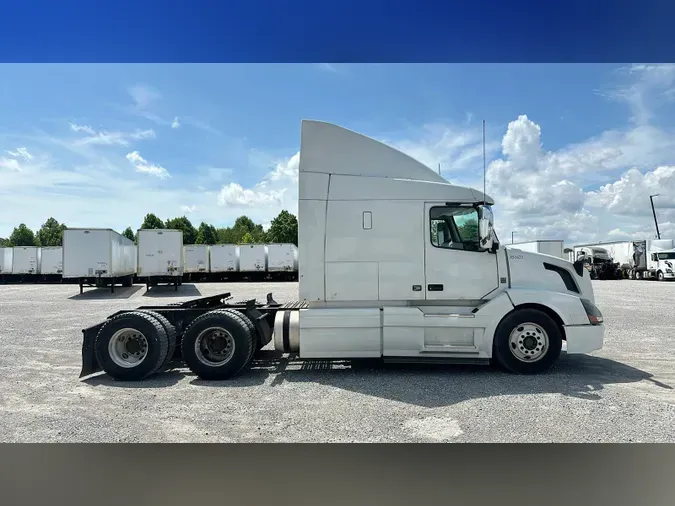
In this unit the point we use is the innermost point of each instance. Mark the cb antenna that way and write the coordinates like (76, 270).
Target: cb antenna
(484, 197)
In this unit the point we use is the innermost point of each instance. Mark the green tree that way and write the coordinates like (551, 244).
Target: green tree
(129, 234)
(22, 236)
(51, 233)
(244, 224)
(182, 223)
(247, 238)
(284, 228)
(206, 234)
(152, 221)
(4, 242)
(226, 235)
(469, 231)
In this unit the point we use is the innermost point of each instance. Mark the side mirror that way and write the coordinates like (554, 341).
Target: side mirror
(485, 229)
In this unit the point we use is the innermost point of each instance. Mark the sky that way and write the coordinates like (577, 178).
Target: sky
(573, 150)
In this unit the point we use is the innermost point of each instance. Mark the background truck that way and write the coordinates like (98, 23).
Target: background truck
(643, 259)
(98, 257)
(545, 247)
(396, 264)
(598, 261)
(160, 257)
(51, 262)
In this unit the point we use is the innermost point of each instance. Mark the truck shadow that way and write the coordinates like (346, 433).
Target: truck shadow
(579, 376)
(185, 290)
(120, 292)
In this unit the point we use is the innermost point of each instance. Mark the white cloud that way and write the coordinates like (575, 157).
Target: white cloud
(285, 170)
(233, 194)
(143, 95)
(142, 165)
(188, 209)
(21, 153)
(175, 123)
(10, 164)
(110, 138)
(646, 87)
(456, 149)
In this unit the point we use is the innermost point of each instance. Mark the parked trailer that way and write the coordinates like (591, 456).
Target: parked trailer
(98, 257)
(160, 257)
(197, 263)
(51, 262)
(568, 254)
(545, 247)
(282, 261)
(252, 261)
(6, 255)
(224, 261)
(384, 274)
(26, 263)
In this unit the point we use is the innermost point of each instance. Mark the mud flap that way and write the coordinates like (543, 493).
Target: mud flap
(89, 363)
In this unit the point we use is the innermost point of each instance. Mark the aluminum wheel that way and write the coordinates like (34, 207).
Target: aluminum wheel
(214, 346)
(128, 348)
(528, 342)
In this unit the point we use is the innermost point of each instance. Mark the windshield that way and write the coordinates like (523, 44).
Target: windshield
(667, 256)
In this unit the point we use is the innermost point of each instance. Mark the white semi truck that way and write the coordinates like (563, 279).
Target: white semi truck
(646, 259)
(395, 264)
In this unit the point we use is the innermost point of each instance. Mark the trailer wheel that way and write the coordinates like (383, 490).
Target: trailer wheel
(527, 341)
(170, 334)
(131, 346)
(218, 345)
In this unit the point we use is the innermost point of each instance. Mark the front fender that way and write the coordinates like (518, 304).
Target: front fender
(568, 307)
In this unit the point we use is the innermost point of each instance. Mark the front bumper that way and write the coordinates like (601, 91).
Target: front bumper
(584, 338)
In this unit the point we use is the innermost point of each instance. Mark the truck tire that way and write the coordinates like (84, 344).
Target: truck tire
(527, 341)
(170, 334)
(218, 345)
(659, 276)
(638, 275)
(131, 346)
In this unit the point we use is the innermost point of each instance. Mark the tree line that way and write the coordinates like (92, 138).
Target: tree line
(283, 229)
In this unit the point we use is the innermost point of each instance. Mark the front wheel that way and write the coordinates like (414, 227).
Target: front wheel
(660, 276)
(527, 341)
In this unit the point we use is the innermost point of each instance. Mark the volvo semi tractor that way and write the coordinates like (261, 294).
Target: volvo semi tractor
(395, 263)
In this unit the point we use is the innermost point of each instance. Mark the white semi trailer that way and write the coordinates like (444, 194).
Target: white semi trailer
(51, 262)
(160, 256)
(395, 263)
(643, 259)
(197, 263)
(6, 255)
(545, 247)
(98, 257)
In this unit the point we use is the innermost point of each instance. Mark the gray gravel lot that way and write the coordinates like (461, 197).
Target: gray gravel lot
(622, 393)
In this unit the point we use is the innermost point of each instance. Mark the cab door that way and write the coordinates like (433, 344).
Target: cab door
(454, 267)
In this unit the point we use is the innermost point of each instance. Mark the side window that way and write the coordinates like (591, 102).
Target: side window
(454, 227)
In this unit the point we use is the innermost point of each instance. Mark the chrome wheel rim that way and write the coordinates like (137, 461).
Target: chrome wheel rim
(128, 348)
(528, 342)
(214, 346)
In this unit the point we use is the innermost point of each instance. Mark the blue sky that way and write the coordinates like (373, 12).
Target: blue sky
(573, 150)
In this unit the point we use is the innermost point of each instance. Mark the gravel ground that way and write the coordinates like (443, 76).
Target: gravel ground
(622, 393)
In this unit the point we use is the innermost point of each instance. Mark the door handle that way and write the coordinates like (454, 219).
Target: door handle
(435, 288)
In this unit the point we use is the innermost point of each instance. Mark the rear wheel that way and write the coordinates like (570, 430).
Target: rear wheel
(170, 334)
(527, 341)
(638, 275)
(131, 346)
(218, 345)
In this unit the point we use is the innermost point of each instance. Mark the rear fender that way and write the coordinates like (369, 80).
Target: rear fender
(89, 363)
(261, 323)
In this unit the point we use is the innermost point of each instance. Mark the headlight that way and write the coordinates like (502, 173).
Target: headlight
(670, 271)
(593, 313)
